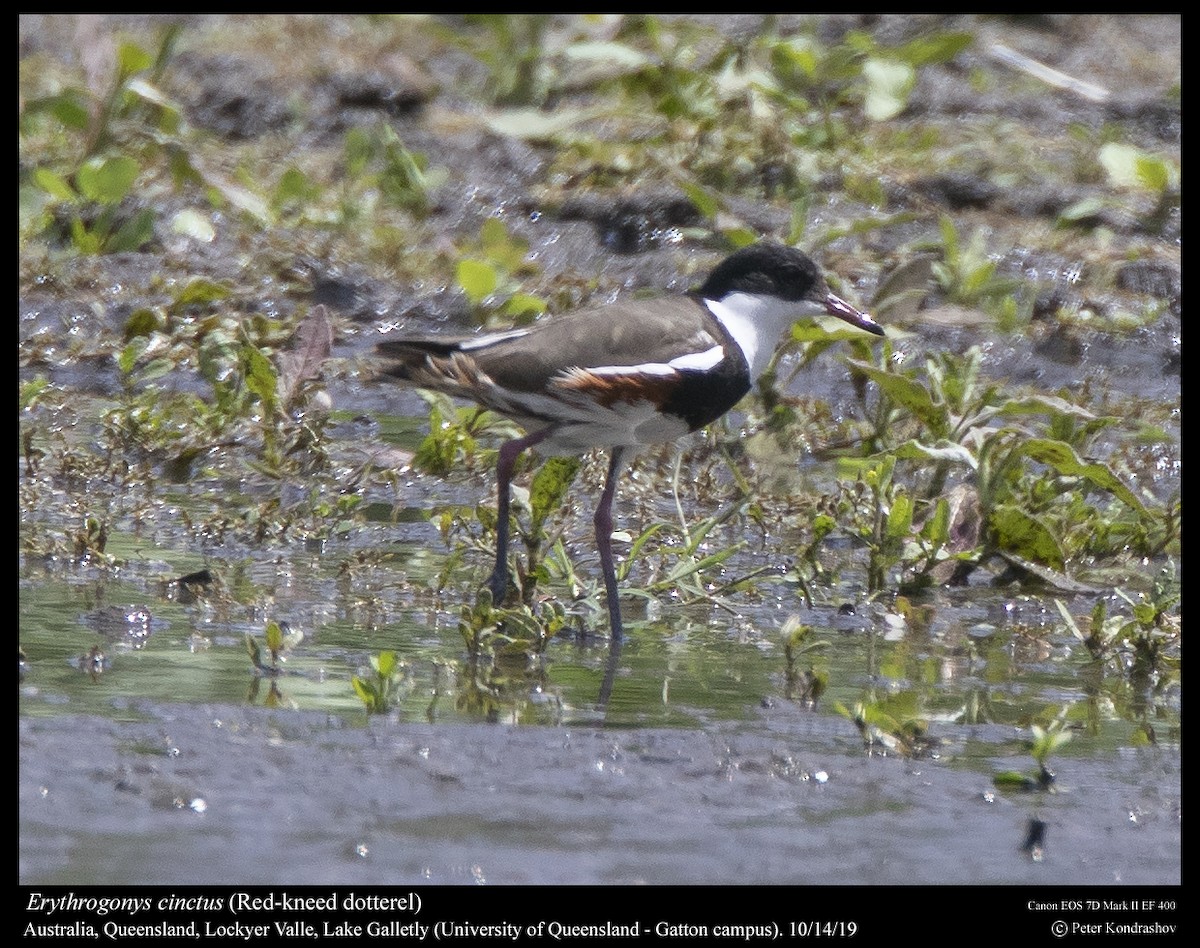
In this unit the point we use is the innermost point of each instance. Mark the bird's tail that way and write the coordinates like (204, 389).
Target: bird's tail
(431, 363)
(405, 359)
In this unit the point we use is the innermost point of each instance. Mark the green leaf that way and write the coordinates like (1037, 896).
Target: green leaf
(132, 58)
(157, 368)
(478, 279)
(523, 305)
(1153, 172)
(936, 528)
(358, 148)
(822, 526)
(637, 545)
(84, 241)
(739, 236)
(899, 522)
(1062, 457)
(800, 209)
(688, 567)
(942, 451)
(31, 390)
(1015, 780)
(549, 487)
(295, 186)
(403, 182)
(936, 48)
(906, 392)
(707, 203)
(1070, 619)
(260, 375)
(1082, 210)
(493, 235)
(385, 663)
(1048, 404)
(889, 85)
(949, 234)
(1020, 532)
(53, 184)
(274, 636)
(131, 353)
(142, 322)
(107, 180)
(193, 223)
(200, 291)
(501, 249)
(366, 693)
(134, 234)
(795, 60)
(69, 109)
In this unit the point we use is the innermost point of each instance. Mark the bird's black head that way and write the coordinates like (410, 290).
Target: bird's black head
(766, 269)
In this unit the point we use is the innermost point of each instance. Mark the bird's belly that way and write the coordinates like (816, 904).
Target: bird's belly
(622, 424)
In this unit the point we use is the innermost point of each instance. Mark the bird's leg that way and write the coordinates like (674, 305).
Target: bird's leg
(509, 451)
(604, 528)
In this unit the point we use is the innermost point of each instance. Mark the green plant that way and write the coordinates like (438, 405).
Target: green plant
(881, 513)
(378, 691)
(547, 492)
(1046, 739)
(117, 132)
(677, 86)
(251, 392)
(512, 48)
(105, 225)
(490, 277)
(377, 159)
(894, 724)
(1144, 633)
(967, 274)
(454, 436)
(1128, 168)
(278, 638)
(1024, 459)
(504, 646)
(544, 556)
(856, 70)
(804, 686)
(485, 626)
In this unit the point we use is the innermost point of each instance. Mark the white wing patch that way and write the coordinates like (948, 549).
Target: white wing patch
(646, 368)
(491, 338)
(699, 361)
(694, 361)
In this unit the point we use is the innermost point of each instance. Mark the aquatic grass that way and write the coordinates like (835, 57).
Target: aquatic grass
(1046, 738)
(378, 690)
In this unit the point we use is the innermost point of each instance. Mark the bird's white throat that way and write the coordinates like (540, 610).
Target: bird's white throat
(758, 324)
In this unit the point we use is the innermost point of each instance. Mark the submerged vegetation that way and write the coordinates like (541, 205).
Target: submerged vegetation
(183, 278)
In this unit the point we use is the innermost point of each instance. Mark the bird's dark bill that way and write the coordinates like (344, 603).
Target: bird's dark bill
(836, 306)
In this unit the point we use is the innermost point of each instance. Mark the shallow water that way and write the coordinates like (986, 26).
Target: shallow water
(702, 764)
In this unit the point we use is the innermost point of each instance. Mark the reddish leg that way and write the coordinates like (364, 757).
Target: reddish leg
(604, 527)
(509, 451)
